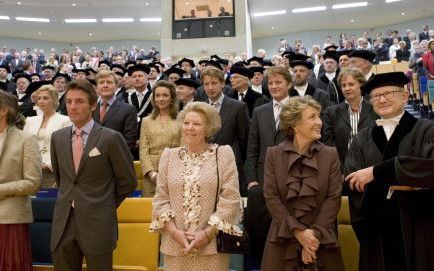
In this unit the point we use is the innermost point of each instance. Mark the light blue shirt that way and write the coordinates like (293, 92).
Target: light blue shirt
(87, 128)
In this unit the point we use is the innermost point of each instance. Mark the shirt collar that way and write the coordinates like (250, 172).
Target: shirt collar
(301, 88)
(86, 128)
(396, 118)
(110, 101)
(282, 102)
(219, 100)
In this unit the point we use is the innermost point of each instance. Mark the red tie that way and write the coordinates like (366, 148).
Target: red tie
(103, 111)
(77, 148)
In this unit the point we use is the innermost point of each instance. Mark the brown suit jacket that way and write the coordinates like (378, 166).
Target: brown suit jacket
(301, 191)
(20, 176)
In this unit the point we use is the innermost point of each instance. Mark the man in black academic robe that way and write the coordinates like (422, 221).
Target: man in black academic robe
(393, 216)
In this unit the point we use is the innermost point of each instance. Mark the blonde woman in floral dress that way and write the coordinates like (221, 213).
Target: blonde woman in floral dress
(184, 203)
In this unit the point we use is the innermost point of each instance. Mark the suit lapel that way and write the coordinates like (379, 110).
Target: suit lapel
(92, 139)
(111, 111)
(224, 115)
(363, 113)
(344, 115)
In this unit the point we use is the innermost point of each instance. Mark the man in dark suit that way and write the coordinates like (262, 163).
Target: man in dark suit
(234, 118)
(424, 35)
(113, 113)
(264, 132)
(363, 60)
(328, 80)
(59, 82)
(25, 103)
(15, 63)
(94, 172)
(241, 90)
(301, 71)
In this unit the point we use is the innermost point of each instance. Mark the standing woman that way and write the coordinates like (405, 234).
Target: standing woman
(20, 177)
(428, 60)
(343, 121)
(160, 130)
(184, 205)
(302, 190)
(44, 125)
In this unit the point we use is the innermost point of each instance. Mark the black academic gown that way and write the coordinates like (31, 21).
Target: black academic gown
(318, 94)
(395, 234)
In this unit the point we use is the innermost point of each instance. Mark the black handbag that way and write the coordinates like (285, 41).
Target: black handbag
(227, 243)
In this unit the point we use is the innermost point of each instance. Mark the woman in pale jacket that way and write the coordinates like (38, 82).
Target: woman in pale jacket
(20, 177)
(44, 125)
(184, 205)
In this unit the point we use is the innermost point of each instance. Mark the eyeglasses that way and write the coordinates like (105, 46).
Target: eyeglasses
(387, 95)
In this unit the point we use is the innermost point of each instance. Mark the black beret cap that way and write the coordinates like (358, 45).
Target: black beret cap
(6, 67)
(287, 54)
(242, 71)
(214, 57)
(139, 67)
(255, 58)
(17, 72)
(77, 70)
(91, 70)
(49, 67)
(202, 61)
(257, 69)
(344, 52)
(398, 79)
(307, 64)
(365, 54)
(223, 61)
(104, 62)
(186, 60)
(215, 64)
(34, 86)
(332, 55)
(119, 66)
(187, 82)
(267, 63)
(22, 75)
(64, 75)
(155, 66)
(298, 56)
(180, 72)
(331, 47)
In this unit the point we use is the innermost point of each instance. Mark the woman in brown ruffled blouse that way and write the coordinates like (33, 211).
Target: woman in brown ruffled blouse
(302, 190)
(184, 203)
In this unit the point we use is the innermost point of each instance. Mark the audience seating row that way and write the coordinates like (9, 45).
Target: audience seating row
(138, 249)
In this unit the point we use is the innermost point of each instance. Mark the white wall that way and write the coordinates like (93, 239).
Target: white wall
(309, 38)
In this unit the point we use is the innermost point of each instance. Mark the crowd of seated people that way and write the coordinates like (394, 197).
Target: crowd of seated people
(141, 94)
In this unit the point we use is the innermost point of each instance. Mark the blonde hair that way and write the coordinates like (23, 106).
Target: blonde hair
(355, 73)
(52, 92)
(213, 72)
(291, 113)
(212, 117)
(273, 70)
(104, 74)
(173, 110)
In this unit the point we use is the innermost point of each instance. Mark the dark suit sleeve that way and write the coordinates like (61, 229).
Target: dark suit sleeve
(123, 167)
(328, 133)
(243, 121)
(54, 162)
(252, 150)
(130, 127)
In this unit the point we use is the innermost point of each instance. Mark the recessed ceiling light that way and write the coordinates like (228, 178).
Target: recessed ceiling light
(403, 13)
(352, 20)
(350, 5)
(5, 18)
(310, 9)
(39, 33)
(117, 20)
(146, 4)
(28, 19)
(74, 4)
(150, 19)
(18, 3)
(269, 13)
(90, 34)
(272, 27)
(71, 21)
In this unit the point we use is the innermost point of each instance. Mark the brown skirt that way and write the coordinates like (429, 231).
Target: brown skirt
(15, 251)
